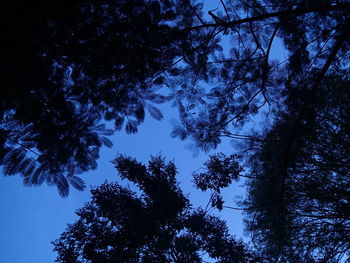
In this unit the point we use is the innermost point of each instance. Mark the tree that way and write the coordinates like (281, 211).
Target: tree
(298, 205)
(67, 66)
(156, 224)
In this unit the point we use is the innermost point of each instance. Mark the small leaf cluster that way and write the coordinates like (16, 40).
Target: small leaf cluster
(220, 171)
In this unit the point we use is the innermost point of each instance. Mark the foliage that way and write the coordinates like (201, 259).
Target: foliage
(156, 225)
(298, 197)
(67, 66)
(72, 65)
(245, 79)
(220, 171)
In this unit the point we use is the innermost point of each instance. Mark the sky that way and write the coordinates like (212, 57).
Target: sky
(32, 217)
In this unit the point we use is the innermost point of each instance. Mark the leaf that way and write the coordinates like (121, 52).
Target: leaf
(28, 144)
(182, 112)
(76, 182)
(131, 126)
(93, 164)
(22, 165)
(157, 98)
(159, 81)
(28, 172)
(107, 142)
(178, 132)
(101, 129)
(191, 106)
(13, 161)
(155, 112)
(71, 167)
(49, 178)
(7, 154)
(140, 113)
(62, 185)
(107, 132)
(118, 123)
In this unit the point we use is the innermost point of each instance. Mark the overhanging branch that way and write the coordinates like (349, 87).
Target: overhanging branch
(293, 12)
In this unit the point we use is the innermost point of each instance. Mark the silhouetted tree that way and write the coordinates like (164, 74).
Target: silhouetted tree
(156, 224)
(298, 202)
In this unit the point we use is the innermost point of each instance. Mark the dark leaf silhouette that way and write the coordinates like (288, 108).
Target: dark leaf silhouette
(155, 112)
(76, 182)
(118, 123)
(62, 185)
(106, 142)
(219, 172)
(131, 126)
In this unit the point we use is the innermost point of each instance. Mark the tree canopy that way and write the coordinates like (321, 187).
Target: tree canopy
(67, 67)
(245, 78)
(156, 224)
(72, 65)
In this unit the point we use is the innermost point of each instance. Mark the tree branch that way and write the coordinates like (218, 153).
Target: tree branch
(294, 12)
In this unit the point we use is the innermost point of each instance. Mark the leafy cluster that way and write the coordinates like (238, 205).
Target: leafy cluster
(157, 225)
(220, 171)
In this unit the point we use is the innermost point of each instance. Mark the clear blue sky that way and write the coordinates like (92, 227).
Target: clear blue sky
(33, 217)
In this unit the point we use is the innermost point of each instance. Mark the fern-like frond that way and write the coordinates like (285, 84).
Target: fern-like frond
(107, 142)
(29, 172)
(155, 112)
(76, 182)
(61, 183)
(38, 176)
(14, 161)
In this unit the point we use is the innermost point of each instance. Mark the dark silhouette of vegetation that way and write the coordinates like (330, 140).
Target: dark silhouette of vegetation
(157, 224)
(220, 170)
(299, 189)
(297, 206)
(66, 66)
(245, 78)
